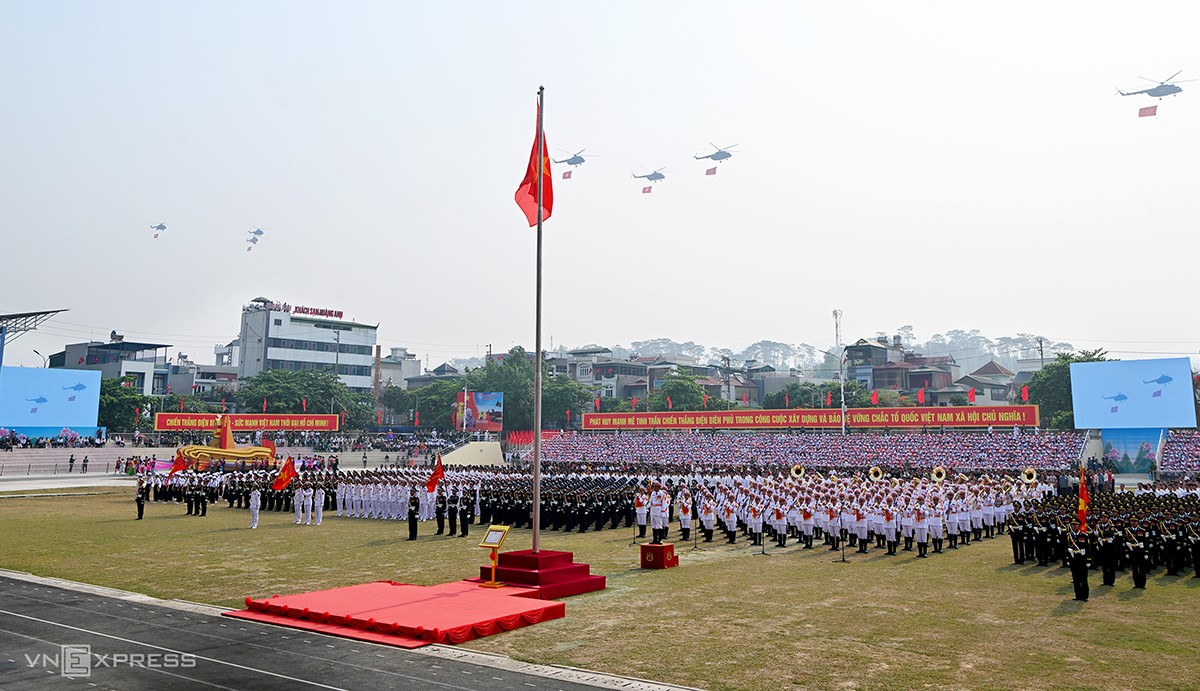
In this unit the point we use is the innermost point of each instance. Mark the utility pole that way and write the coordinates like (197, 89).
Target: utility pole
(1041, 355)
(841, 351)
(337, 364)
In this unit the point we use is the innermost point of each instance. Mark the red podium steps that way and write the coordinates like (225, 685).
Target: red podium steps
(659, 556)
(553, 574)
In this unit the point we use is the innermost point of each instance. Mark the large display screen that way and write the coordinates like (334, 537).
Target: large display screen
(50, 398)
(1133, 394)
(480, 411)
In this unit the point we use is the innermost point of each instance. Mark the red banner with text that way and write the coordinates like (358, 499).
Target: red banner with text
(949, 416)
(166, 422)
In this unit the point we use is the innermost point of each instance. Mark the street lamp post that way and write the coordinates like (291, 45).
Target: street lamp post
(45, 362)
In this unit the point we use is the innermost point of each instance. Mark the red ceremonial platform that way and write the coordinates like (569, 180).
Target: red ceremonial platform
(411, 616)
(551, 574)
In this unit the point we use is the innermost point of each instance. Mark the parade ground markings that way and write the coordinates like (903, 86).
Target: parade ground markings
(724, 619)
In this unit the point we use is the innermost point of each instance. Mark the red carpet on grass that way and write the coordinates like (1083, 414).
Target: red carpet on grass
(403, 615)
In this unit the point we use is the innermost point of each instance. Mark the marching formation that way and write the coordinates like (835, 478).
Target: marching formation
(1155, 527)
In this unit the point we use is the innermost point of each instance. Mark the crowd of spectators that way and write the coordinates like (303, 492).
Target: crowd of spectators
(955, 451)
(1181, 453)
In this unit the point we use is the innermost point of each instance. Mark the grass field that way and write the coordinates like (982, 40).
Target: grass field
(723, 620)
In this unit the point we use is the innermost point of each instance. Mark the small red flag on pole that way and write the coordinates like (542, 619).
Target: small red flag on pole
(264, 405)
(304, 404)
(527, 194)
(223, 408)
(568, 417)
(971, 395)
(786, 402)
(1025, 393)
(705, 400)
(828, 398)
(921, 395)
(379, 417)
(178, 465)
(1084, 500)
(597, 404)
(181, 404)
(745, 399)
(875, 397)
(417, 419)
(137, 415)
(436, 475)
(286, 474)
(670, 405)
(634, 406)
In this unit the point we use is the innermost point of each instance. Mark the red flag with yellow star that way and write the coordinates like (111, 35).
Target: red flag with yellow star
(1084, 500)
(527, 193)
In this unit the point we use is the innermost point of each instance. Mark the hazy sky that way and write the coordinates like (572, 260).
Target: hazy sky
(945, 165)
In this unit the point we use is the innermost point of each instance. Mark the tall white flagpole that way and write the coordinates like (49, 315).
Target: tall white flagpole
(537, 338)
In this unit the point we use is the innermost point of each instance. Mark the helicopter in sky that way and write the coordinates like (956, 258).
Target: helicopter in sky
(159, 229)
(1166, 87)
(653, 176)
(257, 232)
(574, 159)
(720, 154)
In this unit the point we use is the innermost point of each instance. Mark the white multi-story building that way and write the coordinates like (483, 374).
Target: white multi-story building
(282, 336)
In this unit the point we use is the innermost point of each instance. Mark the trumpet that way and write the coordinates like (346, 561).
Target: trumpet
(797, 471)
(876, 473)
(1029, 476)
(938, 475)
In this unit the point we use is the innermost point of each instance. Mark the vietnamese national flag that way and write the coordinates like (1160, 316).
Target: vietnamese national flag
(875, 397)
(379, 417)
(647, 189)
(1025, 393)
(597, 404)
(921, 395)
(1084, 500)
(343, 418)
(223, 408)
(705, 400)
(711, 171)
(1148, 112)
(437, 474)
(417, 419)
(80, 361)
(304, 404)
(286, 474)
(527, 193)
(786, 402)
(745, 399)
(178, 465)
(828, 398)
(670, 405)
(137, 415)
(634, 406)
(264, 405)
(971, 395)
(568, 417)
(181, 404)
(566, 175)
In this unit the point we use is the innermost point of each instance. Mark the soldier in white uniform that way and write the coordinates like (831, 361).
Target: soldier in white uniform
(255, 496)
(318, 502)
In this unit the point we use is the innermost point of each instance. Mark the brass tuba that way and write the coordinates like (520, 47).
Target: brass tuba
(876, 473)
(797, 471)
(1029, 476)
(938, 475)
